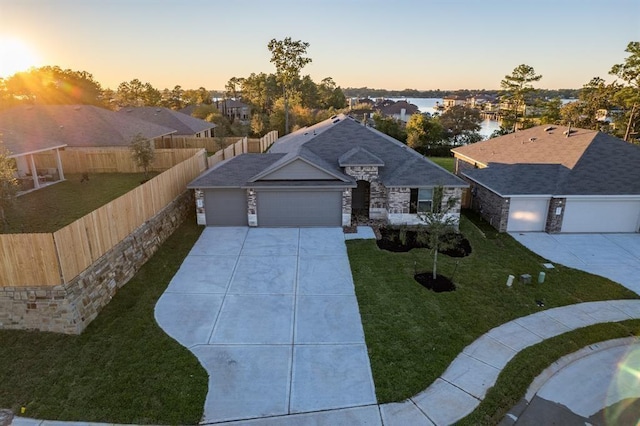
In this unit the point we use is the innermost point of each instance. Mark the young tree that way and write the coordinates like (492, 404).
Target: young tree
(439, 223)
(142, 152)
(517, 87)
(423, 131)
(287, 56)
(629, 72)
(8, 182)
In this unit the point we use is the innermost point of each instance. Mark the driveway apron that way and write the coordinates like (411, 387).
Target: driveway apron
(613, 256)
(272, 315)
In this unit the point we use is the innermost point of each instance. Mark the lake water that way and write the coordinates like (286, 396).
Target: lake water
(426, 105)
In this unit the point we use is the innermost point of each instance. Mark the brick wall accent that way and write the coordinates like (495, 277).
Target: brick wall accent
(462, 165)
(347, 197)
(447, 194)
(368, 173)
(399, 200)
(252, 207)
(492, 207)
(554, 221)
(200, 212)
(71, 307)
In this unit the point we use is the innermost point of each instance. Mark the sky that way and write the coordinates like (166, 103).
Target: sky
(386, 44)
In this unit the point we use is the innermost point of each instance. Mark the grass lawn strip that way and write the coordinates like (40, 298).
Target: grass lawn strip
(54, 207)
(413, 334)
(447, 163)
(122, 369)
(520, 372)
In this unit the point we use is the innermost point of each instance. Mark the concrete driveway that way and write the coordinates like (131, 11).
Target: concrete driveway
(272, 315)
(614, 256)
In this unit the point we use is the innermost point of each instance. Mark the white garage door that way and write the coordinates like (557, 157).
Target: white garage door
(601, 216)
(527, 214)
(299, 208)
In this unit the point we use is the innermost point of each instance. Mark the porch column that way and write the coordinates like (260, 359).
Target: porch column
(59, 162)
(34, 173)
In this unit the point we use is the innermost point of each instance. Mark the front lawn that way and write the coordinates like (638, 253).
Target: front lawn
(413, 334)
(54, 207)
(122, 369)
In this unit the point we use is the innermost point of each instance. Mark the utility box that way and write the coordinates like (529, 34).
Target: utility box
(525, 279)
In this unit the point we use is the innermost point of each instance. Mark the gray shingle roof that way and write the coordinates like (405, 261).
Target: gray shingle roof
(536, 161)
(359, 157)
(20, 143)
(235, 172)
(182, 123)
(78, 125)
(324, 144)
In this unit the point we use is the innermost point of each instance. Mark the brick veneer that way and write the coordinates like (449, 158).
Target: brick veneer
(554, 221)
(69, 308)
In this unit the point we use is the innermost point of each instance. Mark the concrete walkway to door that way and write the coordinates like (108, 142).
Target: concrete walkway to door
(272, 315)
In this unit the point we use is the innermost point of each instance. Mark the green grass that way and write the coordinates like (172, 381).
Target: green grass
(123, 368)
(413, 334)
(446, 162)
(517, 376)
(56, 206)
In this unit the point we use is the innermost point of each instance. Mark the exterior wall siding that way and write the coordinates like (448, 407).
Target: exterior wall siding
(492, 207)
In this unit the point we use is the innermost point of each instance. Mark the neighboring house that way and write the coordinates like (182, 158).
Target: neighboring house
(320, 176)
(453, 100)
(552, 179)
(234, 110)
(183, 124)
(22, 146)
(400, 110)
(79, 125)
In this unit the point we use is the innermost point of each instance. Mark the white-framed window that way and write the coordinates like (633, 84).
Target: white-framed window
(421, 200)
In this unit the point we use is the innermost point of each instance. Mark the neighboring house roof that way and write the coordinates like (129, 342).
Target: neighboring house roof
(20, 143)
(79, 125)
(543, 160)
(231, 103)
(182, 123)
(323, 145)
(397, 107)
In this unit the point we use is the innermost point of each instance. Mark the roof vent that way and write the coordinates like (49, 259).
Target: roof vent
(548, 129)
(336, 120)
(333, 116)
(61, 126)
(306, 133)
(77, 108)
(532, 139)
(158, 110)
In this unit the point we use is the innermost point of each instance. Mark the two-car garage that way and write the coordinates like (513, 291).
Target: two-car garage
(601, 215)
(579, 215)
(274, 208)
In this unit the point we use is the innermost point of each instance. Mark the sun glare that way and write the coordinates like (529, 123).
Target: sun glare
(15, 56)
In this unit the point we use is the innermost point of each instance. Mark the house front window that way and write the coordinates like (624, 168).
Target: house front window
(421, 200)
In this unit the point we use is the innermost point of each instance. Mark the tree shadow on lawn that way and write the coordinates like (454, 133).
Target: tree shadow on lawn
(122, 369)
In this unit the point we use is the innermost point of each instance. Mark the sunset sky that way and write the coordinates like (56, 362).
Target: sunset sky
(420, 44)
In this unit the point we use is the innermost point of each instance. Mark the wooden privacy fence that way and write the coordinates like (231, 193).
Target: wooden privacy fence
(109, 160)
(182, 142)
(243, 146)
(52, 259)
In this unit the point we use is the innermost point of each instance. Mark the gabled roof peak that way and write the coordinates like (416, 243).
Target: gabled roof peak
(359, 156)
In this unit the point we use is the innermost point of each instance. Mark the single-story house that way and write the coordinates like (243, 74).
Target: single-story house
(554, 179)
(320, 176)
(79, 125)
(183, 124)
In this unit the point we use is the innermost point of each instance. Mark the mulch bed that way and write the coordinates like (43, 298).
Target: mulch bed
(390, 240)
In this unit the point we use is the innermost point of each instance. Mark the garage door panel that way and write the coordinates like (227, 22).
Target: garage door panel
(527, 214)
(601, 216)
(299, 208)
(226, 207)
